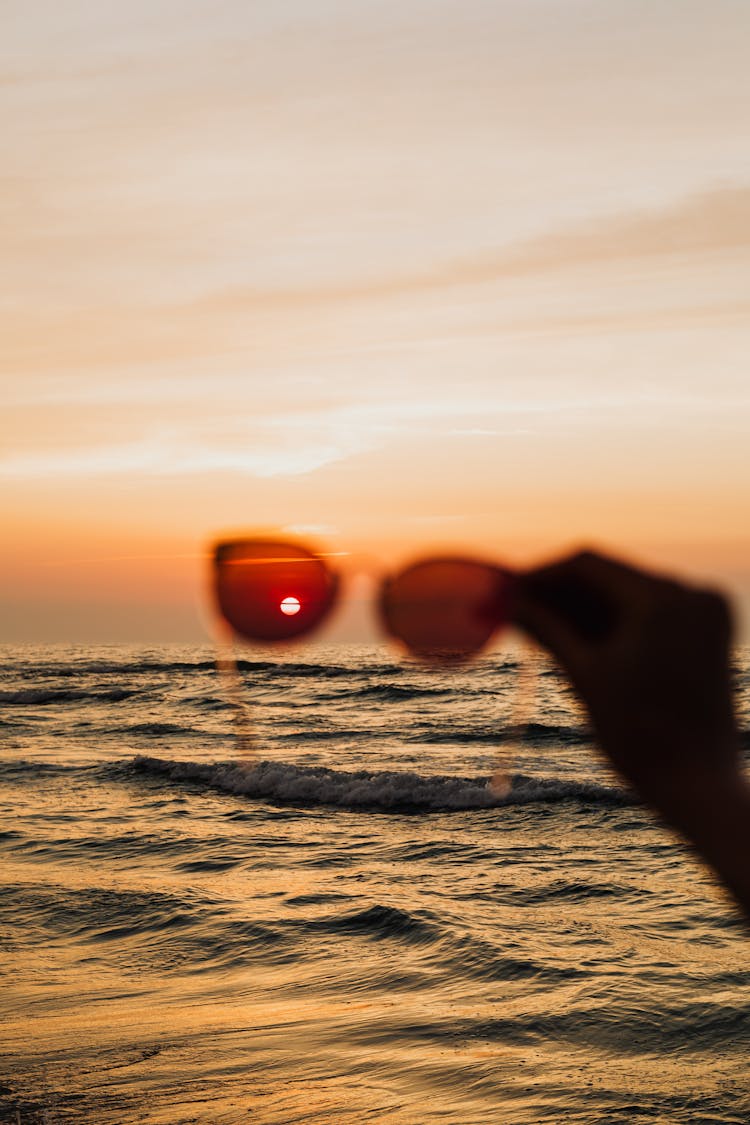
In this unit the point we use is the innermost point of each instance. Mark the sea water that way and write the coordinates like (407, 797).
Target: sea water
(333, 918)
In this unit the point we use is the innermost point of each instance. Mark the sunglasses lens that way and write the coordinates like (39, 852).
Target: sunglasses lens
(271, 591)
(446, 609)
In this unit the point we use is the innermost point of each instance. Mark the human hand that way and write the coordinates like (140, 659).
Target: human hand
(650, 659)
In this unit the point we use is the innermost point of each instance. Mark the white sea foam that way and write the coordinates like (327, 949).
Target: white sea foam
(376, 789)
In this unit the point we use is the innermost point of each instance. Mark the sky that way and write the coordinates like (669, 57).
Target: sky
(393, 276)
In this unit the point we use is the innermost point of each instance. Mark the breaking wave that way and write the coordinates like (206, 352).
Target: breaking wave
(378, 790)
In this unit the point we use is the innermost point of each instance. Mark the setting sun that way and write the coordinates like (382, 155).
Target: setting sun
(290, 606)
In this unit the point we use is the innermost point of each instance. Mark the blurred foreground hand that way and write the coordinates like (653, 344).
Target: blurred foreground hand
(649, 657)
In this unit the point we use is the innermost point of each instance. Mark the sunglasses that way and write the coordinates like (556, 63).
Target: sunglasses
(443, 610)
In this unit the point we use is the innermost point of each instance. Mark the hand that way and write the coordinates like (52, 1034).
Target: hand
(649, 658)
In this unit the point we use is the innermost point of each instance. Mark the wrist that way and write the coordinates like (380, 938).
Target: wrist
(711, 810)
(695, 795)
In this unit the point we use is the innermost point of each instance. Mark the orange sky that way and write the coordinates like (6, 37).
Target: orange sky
(403, 274)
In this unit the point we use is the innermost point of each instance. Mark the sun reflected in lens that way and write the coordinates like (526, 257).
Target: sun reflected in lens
(290, 606)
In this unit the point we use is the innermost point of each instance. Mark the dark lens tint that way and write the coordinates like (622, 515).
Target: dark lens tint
(446, 609)
(270, 591)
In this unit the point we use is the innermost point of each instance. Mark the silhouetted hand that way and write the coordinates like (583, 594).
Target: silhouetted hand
(649, 657)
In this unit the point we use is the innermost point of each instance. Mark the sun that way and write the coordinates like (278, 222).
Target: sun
(290, 606)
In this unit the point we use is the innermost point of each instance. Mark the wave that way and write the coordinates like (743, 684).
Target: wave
(287, 669)
(491, 734)
(532, 733)
(379, 922)
(281, 668)
(76, 668)
(44, 696)
(26, 767)
(326, 734)
(395, 693)
(376, 790)
(151, 930)
(157, 729)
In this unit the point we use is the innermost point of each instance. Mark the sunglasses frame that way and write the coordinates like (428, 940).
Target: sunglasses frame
(496, 611)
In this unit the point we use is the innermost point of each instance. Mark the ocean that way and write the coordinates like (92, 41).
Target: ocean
(337, 920)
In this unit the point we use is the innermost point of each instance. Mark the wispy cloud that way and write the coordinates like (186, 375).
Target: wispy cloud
(710, 223)
(293, 442)
(256, 328)
(707, 224)
(146, 459)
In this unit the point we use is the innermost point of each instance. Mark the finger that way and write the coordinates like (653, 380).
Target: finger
(620, 579)
(551, 629)
(587, 606)
(713, 616)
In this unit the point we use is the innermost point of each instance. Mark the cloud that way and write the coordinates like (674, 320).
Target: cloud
(146, 459)
(259, 328)
(708, 223)
(295, 442)
(714, 222)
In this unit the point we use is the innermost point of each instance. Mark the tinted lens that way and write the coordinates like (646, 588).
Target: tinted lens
(446, 609)
(271, 591)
